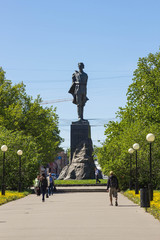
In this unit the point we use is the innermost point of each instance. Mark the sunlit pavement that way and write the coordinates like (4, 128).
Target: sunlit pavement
(77, 216)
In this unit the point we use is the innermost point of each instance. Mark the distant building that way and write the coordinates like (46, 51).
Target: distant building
(55, 167)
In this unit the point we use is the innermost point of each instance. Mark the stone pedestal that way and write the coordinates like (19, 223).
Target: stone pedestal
(80, 132)
(82, 163)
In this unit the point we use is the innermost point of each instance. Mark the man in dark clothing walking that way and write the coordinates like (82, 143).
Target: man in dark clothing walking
(112, 187)
(97, 175)
(44, 185)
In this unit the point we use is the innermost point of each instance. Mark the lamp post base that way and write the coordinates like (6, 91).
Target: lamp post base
(3, 189)
(19, 187)
(150, 188)
(130, 185)
(136, 189)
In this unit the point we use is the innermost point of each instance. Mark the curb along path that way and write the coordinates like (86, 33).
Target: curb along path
(76, 216)
(97, 188)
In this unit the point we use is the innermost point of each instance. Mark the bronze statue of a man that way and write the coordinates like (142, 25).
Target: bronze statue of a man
(79, 89)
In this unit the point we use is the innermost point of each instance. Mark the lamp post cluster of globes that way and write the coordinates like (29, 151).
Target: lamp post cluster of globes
(4, 148)
(150, 138)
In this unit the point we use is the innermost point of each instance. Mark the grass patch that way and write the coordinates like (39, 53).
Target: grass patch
(11, 195)
(154, 205)
(79, 182)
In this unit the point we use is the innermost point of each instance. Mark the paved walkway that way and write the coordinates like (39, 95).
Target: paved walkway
(76, 216)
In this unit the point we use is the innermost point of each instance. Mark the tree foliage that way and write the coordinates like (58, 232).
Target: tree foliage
(140, 116)
(26, 125)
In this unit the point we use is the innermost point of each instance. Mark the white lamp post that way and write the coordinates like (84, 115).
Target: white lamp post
(4, 148)
(150, 138)
(19, 152)
(136, 147)
(131, 151)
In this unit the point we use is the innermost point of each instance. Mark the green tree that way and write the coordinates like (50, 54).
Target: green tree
(18, 112)
(26, 125)
(140, 116)
(30, 159)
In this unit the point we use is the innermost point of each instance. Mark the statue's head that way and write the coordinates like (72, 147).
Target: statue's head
(81, 65)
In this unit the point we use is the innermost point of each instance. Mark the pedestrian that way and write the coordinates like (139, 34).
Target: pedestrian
(50, 180)
(44, 185)
(97, 175)
(37, 185)
(112, 187)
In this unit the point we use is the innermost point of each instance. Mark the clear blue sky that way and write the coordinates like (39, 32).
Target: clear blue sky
(43, 41)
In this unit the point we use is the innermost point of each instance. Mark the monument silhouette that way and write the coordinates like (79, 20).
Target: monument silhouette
(81, 156)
